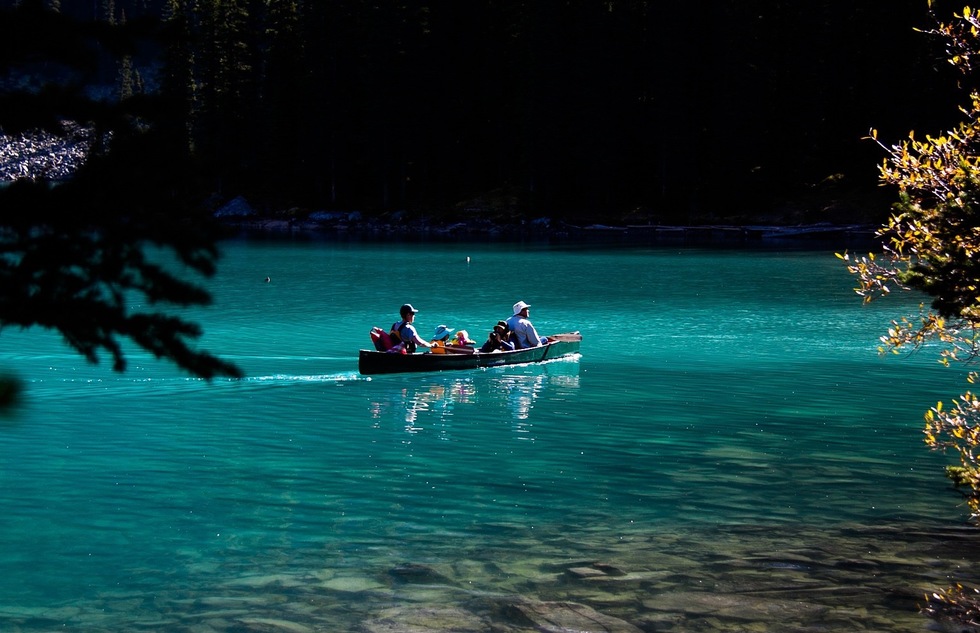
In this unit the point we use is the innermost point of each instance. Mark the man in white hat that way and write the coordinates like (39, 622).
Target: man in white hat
(521, 328)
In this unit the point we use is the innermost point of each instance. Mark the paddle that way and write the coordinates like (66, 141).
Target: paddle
(459, 350)
(450, 349)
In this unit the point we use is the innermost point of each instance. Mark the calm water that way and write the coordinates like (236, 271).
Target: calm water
(729, 441)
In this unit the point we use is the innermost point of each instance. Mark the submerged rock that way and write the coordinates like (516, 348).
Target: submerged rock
(426, 620)
(595, 570)
(272, 625)
(416, 573)
(734, 607)
(570, 617)
(585, 572)
(608, 569)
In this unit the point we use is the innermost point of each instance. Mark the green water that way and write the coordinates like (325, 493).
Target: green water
(729, 441)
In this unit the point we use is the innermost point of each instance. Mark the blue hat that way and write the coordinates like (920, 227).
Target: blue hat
(407, 309)
(442, 331)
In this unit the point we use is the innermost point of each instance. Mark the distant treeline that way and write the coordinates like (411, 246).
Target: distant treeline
(576, 108)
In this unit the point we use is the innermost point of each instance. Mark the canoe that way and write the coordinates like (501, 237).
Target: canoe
(374, 362)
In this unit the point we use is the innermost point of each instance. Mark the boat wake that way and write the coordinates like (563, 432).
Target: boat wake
(571, 358)
(83, 388)
(347, 376)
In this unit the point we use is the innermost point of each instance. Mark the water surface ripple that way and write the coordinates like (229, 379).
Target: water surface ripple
(728, 452)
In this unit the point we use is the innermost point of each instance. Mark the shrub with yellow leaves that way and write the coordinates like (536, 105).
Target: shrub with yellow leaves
(931, 244)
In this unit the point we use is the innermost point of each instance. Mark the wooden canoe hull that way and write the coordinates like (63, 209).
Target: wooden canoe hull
(373, 362)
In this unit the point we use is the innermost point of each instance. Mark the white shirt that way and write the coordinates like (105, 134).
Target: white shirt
(524, 332)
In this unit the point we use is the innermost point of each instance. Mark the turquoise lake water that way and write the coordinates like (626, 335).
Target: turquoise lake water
(729, 442)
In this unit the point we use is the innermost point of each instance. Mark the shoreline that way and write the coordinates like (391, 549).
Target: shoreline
(358, 228)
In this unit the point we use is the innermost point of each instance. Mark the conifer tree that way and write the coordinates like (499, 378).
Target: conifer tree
(74, 255)
(178, 83)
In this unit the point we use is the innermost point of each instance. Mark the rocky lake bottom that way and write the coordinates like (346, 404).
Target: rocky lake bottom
(738, 578)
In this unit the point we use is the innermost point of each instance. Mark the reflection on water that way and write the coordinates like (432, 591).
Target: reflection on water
(431, 400)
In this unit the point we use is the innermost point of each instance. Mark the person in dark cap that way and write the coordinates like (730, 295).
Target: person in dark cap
(503, 331)
(406, 332)
(497, 339)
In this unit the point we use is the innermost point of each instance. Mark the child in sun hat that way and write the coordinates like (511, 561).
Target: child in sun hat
(441, 338)
(442, 334)
(463, 339)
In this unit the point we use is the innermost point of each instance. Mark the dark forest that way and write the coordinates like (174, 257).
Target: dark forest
(582, 109)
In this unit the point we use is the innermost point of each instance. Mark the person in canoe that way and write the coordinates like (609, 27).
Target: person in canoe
(440, 339)
(405, 333)
(523, 334)
(463, 340)
(497, 340)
